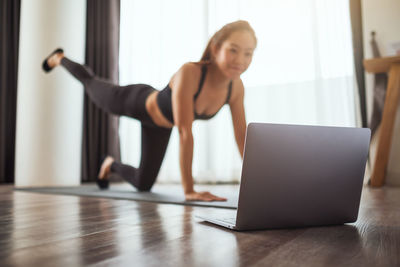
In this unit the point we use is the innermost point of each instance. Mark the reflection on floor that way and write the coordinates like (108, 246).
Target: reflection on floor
(57, 230)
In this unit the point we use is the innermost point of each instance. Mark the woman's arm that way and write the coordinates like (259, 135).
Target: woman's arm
(182, 106)
(236, 105)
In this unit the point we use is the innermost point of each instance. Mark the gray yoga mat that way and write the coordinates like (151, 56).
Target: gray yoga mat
(158, 195)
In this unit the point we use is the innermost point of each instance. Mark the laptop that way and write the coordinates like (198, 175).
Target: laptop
(298, 176)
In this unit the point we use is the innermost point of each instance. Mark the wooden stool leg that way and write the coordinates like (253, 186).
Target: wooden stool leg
(387, 125)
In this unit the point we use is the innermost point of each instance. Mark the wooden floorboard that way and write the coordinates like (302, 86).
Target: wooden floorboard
(56, 230)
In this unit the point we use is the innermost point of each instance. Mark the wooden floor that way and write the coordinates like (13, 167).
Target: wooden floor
(53, 230)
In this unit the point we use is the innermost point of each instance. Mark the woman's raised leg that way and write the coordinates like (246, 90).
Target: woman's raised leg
(118, 100)
(112, 98)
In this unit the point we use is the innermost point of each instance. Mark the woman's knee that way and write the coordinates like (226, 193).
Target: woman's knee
(143, 187)
(144, 183)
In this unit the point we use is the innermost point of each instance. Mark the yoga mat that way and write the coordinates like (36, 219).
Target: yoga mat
(158, 195)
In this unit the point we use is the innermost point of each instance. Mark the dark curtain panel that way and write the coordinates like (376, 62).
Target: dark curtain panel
(100, 130)
(356, 27)
(9, 43)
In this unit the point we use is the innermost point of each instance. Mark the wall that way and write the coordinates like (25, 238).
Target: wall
(383, 17)
(49, 108)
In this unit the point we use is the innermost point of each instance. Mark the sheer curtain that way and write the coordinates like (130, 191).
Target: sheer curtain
(302, 71)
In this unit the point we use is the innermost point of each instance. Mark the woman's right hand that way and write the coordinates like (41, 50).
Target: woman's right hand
(203, 196)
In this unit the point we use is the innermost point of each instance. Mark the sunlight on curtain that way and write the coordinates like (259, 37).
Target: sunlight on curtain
(302, 71)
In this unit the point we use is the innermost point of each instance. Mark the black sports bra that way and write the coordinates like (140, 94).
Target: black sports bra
(164, 99)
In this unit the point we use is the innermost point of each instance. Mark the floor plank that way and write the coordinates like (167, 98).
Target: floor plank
(56, 230)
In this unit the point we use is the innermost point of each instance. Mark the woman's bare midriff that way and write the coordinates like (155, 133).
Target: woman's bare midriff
(155, 113)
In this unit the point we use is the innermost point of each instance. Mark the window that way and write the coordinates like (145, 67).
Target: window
(302, 71)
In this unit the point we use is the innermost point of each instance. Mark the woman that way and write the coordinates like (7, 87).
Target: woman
(196, 91)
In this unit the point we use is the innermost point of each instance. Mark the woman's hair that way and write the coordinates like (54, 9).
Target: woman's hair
(220, 36)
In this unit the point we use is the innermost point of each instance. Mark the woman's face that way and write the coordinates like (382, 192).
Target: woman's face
(235, 54)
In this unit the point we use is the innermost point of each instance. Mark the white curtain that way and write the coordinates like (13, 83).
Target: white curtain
(302, 71)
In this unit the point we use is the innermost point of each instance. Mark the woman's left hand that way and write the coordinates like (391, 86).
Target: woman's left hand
(203, 196)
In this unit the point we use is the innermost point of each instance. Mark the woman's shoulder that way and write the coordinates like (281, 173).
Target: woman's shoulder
(188, 73)
(192, 69)
(237, 84)
(237, 90)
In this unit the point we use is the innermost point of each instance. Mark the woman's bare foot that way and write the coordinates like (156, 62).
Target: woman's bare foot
(55, 59)
(105, 168)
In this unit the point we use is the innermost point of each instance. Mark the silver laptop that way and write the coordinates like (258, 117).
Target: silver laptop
(297, 176)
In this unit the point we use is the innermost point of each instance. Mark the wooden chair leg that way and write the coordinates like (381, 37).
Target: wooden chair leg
(387, 125)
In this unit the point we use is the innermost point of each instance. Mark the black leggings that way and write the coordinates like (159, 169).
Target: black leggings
(127, 101)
